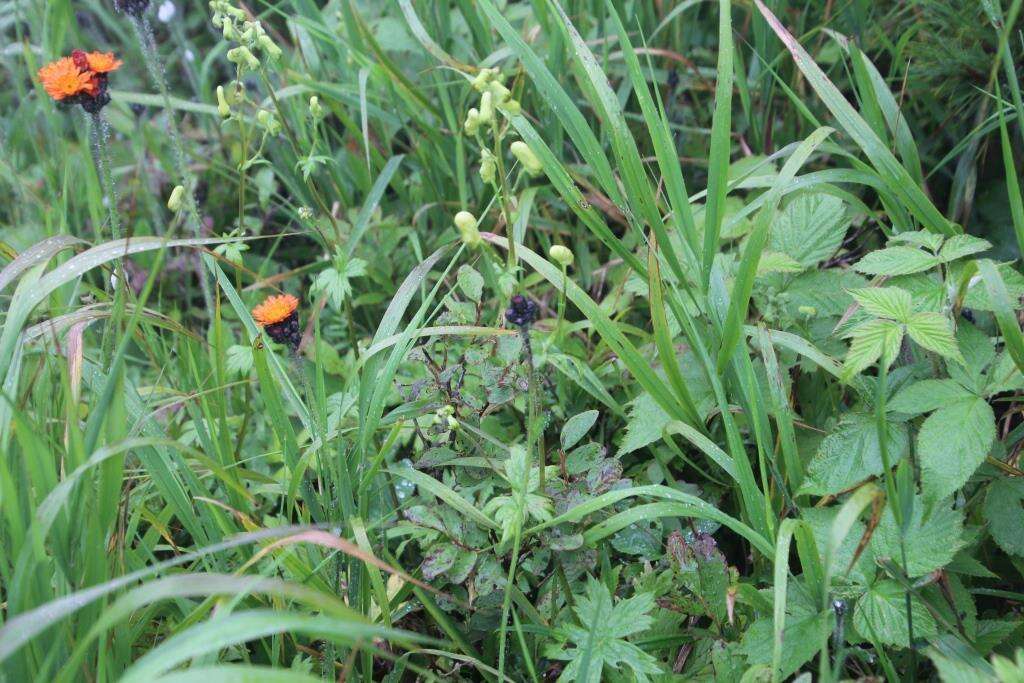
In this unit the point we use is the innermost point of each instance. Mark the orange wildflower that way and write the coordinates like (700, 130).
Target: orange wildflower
(275, 309)
(102, 62)
(63, 79)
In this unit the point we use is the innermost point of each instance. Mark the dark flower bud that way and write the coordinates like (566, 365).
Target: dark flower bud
(522, 312)
(133, 7)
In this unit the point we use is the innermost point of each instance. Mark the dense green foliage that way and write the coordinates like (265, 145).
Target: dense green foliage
(635, 340)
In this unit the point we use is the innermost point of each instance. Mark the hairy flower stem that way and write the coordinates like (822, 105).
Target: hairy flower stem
(99, 135)
(157, 73)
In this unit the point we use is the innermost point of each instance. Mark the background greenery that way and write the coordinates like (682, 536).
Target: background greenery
(766, 426)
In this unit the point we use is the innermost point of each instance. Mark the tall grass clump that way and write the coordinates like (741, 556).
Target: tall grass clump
(483, 340)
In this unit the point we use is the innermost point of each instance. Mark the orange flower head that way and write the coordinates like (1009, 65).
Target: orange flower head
(63, 79)
(275, 309)
(102, 62)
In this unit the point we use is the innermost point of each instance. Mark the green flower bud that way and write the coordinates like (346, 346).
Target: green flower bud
(488, 166)
(229, 32)
(522, 152)
(269, 46)
(511, 107)
(500, 92)
(486, 108)
(561, 255)
(268, 121)
(315, 110)
(466, 224)
(222, 104)
(807, 310)
(482, 78)
(243, 57)
(472, 124)
(177, 198)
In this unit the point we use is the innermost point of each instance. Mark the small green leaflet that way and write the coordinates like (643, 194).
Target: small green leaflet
(1004, 511)
(600, 641)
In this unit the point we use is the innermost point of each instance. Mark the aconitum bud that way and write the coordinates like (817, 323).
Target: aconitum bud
(466, 224)
(561, 255)
(486, 108)
(472, 124)
(222, 103)
(526, 157)
(177, 198)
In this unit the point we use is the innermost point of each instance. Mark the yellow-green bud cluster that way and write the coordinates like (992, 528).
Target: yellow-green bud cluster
(494, 96)
(252, 39)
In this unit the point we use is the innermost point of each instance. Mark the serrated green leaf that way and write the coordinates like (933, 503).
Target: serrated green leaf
(884, 302)
(646, 422)
(933, 537)
(933, 332)
(1004, 510)
(470, 282)
(850, 454)
(810, 228)
(896, 261)
(959, 246)
(777, 262)
(926, 396)
(239, 360)
(952, 442)
(600, 643)
(872, 340)
(881, 614)
(922, 238)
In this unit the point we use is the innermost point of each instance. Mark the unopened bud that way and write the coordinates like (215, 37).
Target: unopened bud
(466, 224)
(561, 255)
(222, 103)
(511, 107)
(315, 110)
(488, 167)
(243, 57)
(482, 78)
(269, 46)
(500, 92)
(268, 121)
(472, 124)
(177, 198)
(522, 152)
(486, 108)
